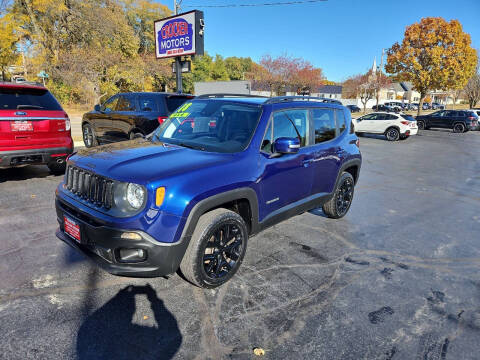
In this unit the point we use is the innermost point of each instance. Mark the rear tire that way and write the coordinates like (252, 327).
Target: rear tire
(338, 206)
(89, 137)
(57, 168)
(392, 134)
(216, 249)
(459, 128)
(135, 135)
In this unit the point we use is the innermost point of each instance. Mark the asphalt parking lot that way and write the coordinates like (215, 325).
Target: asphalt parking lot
(397, 278)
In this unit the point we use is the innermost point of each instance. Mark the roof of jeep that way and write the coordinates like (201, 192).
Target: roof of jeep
(260, 100)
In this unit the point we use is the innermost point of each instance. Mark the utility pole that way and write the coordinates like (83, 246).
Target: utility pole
(178, 62)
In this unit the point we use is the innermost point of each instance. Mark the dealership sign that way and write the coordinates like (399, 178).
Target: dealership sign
(179, 35)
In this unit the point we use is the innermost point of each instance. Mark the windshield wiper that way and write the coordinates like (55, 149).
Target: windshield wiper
(29, 107)
(191, 146)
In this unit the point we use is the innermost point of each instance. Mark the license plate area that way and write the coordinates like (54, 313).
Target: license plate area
(72, 228)
(21, 125)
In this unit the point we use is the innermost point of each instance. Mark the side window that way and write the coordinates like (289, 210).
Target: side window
(110, 104)
(339, 114)
(392, 117)
(125, 103)
(324, 124)
(148, 103)
(289, 123)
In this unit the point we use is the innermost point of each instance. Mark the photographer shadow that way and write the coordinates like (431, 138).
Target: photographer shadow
(109, 333)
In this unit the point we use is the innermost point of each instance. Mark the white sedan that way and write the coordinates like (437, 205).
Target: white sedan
(393, 126)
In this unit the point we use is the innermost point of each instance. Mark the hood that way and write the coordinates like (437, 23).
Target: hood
(142, 161)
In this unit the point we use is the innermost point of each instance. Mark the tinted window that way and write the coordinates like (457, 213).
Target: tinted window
(282, 128)
(125, 103)
(148, 103)
(408, 117)
(110, 104)
(324, 124)
(391, 117)
(173, 102)
(341, 120)
(210, 125)
(17, 99)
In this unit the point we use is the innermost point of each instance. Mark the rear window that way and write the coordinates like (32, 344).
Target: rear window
(174, 102)
(27, 99)
(408, 117)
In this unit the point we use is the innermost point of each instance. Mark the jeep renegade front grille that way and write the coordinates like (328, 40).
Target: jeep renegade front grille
(93, 188)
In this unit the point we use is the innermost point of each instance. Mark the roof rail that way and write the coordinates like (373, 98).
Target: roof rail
(279, 99)
(224, 95)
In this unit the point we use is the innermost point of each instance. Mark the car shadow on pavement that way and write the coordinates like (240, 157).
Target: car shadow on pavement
(109, 332)
(25, 173)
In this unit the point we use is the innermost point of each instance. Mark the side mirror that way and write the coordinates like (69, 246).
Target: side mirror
(97, 107)
(285, 145)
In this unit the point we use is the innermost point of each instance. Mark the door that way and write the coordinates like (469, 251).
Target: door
(288, 178)
(102, 121)
(438, 118)
(326, 150)
(365, 123)
(124, 117)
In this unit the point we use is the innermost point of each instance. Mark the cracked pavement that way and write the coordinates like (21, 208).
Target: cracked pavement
(397, 278)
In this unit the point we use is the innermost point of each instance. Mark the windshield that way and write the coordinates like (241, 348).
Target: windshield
(27, 99)
(210, 125)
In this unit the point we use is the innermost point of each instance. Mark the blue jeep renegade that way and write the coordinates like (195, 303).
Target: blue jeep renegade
(221, 168)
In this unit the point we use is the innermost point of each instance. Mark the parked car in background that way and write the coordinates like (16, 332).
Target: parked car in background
(382, 107)
(126, 116)
(393, 126)
(426, 106)
(413, 106)
(353, 108)
(34, 129)
(437, 106)
(457, 120)
(190, 199)
(395, 105)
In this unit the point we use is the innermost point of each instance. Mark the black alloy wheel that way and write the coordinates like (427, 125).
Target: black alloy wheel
(338, 206)
(223, 250)
(216, 249)
(392, 134)
(458, 128)
(421, 125)
(88, 136)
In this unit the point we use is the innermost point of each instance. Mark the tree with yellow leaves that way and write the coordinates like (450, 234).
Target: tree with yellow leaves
(434, 55)
(8, 41)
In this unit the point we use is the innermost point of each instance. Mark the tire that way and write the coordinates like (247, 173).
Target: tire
(392, 134)
(421, 125)
(89, 138)
(404, 137)
(57, 168)
(338, 206)
(459, 128)
(200, 264)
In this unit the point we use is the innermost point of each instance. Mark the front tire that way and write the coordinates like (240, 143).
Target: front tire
(216, 250)
(338, 206)
(392, 134)
(89, 138)
(421, 125)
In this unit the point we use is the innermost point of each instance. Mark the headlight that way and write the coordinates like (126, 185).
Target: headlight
(135, 195)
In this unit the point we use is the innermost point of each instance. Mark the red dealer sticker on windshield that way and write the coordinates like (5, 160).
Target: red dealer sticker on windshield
(71, 228)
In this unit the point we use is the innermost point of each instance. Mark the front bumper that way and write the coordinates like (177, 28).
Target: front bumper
(32, 157)
(102, 244)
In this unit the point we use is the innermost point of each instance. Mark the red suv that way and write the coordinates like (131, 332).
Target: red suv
(34, 129)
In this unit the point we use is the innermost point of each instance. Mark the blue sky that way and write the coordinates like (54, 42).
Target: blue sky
(340, 36)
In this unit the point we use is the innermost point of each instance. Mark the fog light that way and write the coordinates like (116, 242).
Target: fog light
(132, 255)
(130, 236)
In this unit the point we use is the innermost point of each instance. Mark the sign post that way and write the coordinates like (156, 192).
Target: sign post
(177, 36)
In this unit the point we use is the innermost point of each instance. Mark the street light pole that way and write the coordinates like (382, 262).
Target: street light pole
(178, 63)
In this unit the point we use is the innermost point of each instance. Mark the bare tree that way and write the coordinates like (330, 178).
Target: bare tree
(472, 89)
(363, 87)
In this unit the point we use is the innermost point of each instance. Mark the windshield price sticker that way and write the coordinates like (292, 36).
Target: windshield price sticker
(181, 111)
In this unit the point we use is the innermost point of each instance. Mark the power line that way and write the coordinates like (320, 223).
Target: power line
(259, 4)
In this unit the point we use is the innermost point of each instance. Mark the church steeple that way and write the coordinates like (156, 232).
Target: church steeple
(374, 66)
